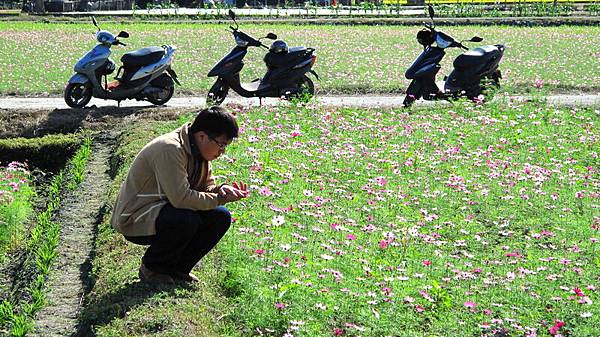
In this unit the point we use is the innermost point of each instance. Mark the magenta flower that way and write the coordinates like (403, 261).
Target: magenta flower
(426, 263)
(280, 305)
(554, 329)
(470, 305)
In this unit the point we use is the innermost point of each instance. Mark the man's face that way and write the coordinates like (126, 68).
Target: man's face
(211, 147)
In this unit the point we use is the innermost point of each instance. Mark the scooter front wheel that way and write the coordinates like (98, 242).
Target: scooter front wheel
(77, 95)
(217, 93)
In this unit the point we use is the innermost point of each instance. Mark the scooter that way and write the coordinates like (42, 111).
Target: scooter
(474, 70)
(286, 69)
(146, 73)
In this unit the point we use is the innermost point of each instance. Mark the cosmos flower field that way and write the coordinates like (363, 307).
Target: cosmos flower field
(351, 59)
(461, 221)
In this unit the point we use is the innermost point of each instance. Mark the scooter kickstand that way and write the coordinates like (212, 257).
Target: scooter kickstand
(118, 104)
(260, 101)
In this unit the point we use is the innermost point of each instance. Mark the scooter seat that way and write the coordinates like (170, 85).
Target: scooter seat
(476, 57)
(142, 57)
(294, 56)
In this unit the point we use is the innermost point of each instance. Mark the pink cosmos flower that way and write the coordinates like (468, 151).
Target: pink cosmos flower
(538, 83)
(419, 308)
(351, 237)
(259, 251)
(266, 191)
(381, 181)
(383, 244)
(578, 292)
(554, 329)
(338, 332)
(280, 305)
(470, 305)
(426, 263)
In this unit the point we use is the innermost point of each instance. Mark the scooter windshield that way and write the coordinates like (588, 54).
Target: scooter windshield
(443, 40)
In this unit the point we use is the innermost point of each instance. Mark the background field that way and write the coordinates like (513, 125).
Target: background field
(470, 221)
(38, 58)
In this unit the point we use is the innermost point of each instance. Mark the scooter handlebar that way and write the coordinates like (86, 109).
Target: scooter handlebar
(251, 41)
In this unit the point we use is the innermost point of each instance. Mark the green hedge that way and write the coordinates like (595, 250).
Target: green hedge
(48, 153)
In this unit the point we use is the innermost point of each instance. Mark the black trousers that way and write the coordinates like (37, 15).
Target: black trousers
(182, 238)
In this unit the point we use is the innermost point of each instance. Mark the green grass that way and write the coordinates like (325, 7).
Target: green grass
(351, 59)
(15, 205)
(468, 220)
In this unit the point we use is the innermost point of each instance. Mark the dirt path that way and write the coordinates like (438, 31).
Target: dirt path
(391, 101)
(79, 215)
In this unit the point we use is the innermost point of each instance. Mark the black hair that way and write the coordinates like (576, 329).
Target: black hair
(216, 121)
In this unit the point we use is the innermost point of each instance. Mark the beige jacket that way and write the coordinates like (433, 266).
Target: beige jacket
(162, 173)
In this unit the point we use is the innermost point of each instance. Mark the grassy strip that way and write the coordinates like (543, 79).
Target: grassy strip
(119, 304)
(42, 247)
(362, 59)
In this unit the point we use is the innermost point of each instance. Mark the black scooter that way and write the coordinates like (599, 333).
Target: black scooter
(285, 77)
(474, 70)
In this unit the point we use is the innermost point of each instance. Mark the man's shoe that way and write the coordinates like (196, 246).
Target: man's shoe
(185, 277)
(149, 276)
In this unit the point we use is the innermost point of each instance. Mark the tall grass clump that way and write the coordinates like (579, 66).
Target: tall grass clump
(15, 205)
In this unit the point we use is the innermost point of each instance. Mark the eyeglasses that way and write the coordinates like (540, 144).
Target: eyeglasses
(222, 146)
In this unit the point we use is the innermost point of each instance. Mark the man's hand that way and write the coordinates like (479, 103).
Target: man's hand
(234, 193)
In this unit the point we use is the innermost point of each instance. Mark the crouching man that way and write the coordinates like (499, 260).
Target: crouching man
(170, 202)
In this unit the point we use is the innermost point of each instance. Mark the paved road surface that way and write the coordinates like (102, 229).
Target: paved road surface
(391, 101)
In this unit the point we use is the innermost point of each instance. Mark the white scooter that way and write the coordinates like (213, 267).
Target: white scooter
(146, 73)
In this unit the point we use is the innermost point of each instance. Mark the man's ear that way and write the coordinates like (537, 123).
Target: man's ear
(199, 136)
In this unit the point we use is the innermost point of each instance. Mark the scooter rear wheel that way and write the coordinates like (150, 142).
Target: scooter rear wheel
(77, 95)
(306, 89)
(162, 97)
(217, 93)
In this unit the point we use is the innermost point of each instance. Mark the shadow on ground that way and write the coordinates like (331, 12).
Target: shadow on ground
(37, 123)
(117, 304)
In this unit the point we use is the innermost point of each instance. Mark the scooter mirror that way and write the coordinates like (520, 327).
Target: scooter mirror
(431, 11)
(123, 34)
(271, 36)
(476, 39)
(232, 15)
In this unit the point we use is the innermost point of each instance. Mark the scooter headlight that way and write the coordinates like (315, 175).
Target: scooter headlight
(105, 37)
(240, 42)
